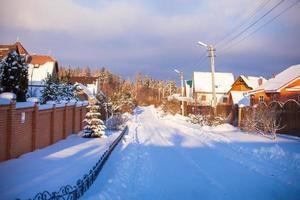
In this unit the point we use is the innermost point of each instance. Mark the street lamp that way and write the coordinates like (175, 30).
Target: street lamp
(182, 88)
(212, 55)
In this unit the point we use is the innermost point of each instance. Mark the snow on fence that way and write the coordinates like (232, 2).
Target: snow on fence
(27, 126)
(82, 185)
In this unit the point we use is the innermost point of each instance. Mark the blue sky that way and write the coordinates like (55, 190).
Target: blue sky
(154, 37)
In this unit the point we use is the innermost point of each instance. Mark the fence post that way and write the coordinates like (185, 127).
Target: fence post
(52, 124)
(34, 126)
(11, 128)
(74, 118)
(65, 122)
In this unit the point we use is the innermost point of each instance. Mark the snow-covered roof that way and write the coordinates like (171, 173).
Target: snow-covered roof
(281, 80)
(202, 82)
(240, 98)
(253, 81)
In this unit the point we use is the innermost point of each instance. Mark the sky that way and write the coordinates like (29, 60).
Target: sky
(154, 37)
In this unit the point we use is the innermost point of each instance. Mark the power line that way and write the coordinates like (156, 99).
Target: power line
(260, 27)
(252, 24)
(242, 23)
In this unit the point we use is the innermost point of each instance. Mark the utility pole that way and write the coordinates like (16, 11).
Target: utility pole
(182, 90)
(212, 55)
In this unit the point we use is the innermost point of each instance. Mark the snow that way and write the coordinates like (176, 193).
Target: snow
(169, 158)
(50, 168)
(8, 95)
(24, 104)
(281, 79)
(202, 81)
(252, 81)
(33, 99)
(45, 106)
(4, 101)
(240, 98)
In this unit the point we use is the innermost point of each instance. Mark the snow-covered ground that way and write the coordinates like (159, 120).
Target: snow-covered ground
(52, 167)
(165, 157)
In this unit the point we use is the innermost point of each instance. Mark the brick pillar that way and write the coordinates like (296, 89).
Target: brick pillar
(11, 128)
(65, 122)
(34, 126)
(52, 124)
(73, 119)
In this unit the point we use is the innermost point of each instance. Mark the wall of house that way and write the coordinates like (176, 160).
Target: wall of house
(23, 130)
(208, 99)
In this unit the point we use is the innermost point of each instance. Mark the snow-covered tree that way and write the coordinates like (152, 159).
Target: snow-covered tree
(94, 125)
(14, 72)
(51, 90)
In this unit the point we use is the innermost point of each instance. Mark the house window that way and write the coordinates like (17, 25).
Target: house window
(225, 99)
(203, 98)
(261, 99)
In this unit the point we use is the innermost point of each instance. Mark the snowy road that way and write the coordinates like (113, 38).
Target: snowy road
(168, 158)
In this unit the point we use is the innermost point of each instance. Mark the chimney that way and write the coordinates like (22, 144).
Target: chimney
(260, 81)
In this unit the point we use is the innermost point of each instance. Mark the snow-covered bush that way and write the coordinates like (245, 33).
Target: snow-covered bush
(13, 75)
(55, 91)
(262, 121)
(116, 122)
(94, 125)
(8, 95)
(204, 120)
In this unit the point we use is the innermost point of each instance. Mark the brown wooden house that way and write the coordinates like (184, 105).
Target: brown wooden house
(282, 87)
(241, 85)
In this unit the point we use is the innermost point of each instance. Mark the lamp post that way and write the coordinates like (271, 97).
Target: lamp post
(210, 48)
(182, 89)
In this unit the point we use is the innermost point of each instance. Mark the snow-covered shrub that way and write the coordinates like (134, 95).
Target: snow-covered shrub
(171, 107)
(13, 75)
(116, 122)
(262, 121)
(94, 125)
(8, 95)
(204, 120)
(55, 91)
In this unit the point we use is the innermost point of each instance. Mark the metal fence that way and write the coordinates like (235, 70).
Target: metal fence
(69, 192)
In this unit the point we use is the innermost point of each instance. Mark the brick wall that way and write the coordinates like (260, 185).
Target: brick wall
(23, 130)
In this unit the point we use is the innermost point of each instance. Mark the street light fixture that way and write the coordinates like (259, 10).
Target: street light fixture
(212, 55)
(182, 88)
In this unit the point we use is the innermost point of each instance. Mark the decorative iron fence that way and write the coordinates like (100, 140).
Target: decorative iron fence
(82, 185)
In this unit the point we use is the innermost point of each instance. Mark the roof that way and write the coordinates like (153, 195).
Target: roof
(18, 47)
(239, 97)
(202, 82)
(252, 81)
(83, 80)
(40, 59)
(281, 80)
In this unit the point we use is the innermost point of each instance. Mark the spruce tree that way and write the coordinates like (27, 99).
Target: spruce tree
(51, 90)
(14, 72)
(94, 125)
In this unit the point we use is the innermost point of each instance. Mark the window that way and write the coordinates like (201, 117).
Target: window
(225, 99)
(203, 98)
(261, 99)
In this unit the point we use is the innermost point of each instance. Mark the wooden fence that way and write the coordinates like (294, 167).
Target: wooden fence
(288, 115)
(29, 127)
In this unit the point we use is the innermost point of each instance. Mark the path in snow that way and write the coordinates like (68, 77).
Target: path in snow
(168, 158)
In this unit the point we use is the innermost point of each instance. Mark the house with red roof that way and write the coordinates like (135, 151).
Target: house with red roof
(282, 87)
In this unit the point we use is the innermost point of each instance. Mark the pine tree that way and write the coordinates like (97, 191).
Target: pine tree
(14, 72)
(94, 125)
(51, 90)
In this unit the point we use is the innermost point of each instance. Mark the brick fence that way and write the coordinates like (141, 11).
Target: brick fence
(26, 128)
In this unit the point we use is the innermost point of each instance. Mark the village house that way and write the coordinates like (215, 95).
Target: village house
(238, 91)
(18, 47)
(87, 87)
(203, 87)
(282, 87)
